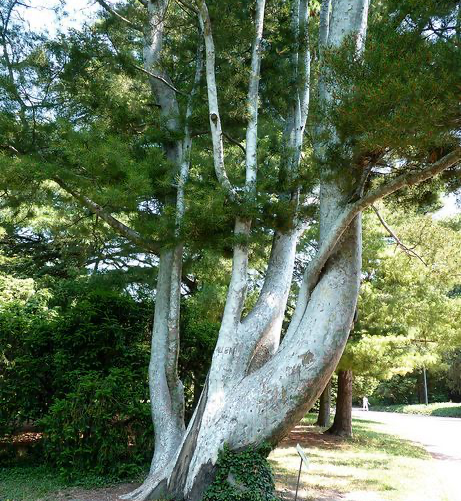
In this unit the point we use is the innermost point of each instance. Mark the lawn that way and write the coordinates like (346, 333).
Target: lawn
(40, 483)
(444, 409)
(371, 466)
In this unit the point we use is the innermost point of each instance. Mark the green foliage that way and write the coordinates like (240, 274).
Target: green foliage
(407, 314)
(103, 425)
(398, 389)
(73, 361)
(242, 476)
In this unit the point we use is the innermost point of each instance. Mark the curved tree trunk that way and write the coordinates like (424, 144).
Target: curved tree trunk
(258, 389)
(323, 418)
(342, 424)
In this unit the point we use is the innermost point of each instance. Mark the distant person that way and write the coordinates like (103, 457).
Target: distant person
(365, 404)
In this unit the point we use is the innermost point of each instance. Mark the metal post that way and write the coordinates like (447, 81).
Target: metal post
(299, 477)
(426, 400)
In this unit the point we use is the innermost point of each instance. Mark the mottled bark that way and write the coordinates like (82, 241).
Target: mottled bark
(258, 388)
(342, 424)
(323, 418)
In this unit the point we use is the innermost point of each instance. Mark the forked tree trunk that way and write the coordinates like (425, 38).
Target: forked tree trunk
(258, 389)
(342, 424)
(323, 419)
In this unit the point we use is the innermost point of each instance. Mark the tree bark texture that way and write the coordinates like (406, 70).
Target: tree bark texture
(342, 424)
(258, 386)
(323, 418)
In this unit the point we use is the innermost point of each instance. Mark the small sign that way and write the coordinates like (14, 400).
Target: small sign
(304, 458)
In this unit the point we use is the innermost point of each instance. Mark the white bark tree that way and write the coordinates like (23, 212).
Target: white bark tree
(258, 385)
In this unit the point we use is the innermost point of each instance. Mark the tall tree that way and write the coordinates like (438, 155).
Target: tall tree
(77, 112)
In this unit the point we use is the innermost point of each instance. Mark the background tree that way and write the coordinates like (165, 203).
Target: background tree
(407, 315)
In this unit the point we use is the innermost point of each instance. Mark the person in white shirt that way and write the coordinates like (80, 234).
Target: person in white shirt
(365, 404)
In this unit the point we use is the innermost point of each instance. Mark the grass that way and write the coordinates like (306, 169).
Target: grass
(373, 465)
(36, 483)
(445, 409)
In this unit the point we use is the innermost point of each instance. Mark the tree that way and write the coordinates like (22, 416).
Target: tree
(323, 418)
(407, 314)
(123, 151)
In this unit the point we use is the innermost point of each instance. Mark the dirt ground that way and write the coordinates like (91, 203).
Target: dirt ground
(104, 494)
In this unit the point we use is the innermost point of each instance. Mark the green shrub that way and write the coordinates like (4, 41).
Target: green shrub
(242, 476)
(104, 426)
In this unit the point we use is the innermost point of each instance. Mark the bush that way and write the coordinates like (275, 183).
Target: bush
(104, 425)
(75, 363)
(242, 476)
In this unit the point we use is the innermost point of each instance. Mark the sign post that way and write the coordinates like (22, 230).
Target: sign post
(304, 460)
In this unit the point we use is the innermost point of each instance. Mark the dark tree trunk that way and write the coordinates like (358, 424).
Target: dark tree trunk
(342, 424)
(323, 419)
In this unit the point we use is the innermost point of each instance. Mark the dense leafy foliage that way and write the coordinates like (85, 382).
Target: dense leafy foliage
(102, 425)
(74, 364)
(242, 476)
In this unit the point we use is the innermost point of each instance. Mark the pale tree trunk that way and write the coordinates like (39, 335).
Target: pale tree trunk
(342, 424)
(258, 388)
(166, 389)
(323, 418)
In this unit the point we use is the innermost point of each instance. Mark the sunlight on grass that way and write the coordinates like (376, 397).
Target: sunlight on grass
(445, 409)
(372, 466)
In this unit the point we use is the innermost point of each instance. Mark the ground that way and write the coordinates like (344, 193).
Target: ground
(375, 465)
(440, 436)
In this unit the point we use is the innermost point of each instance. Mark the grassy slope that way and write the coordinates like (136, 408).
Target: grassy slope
(373, 465)
(446, 409)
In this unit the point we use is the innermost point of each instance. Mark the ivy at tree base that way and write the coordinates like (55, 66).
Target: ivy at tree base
(243, 476)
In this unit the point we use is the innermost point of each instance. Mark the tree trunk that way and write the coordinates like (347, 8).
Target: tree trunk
(342, 424)
(258, 389)
(323, 419)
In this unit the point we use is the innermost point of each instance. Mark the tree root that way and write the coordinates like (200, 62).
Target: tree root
(153, 487)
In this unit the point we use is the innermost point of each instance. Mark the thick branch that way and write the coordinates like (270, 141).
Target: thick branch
(214, 116)
(324, 26)
(343, 221)
(118, 226)
(114, 13)
(253, 101)
(400, 244)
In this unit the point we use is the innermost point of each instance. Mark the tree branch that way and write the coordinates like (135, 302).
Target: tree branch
(324, 27)
(253, 101)
(112, 11)
(118, 226)
(214, 116)
(161, 79)
(399, 243)
(315, 267)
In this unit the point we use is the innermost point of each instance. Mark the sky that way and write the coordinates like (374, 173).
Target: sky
(41, 16)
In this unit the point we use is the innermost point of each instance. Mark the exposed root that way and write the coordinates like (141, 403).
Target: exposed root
(152, 488)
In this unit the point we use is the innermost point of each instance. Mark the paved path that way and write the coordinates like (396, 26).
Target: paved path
(441, 437)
